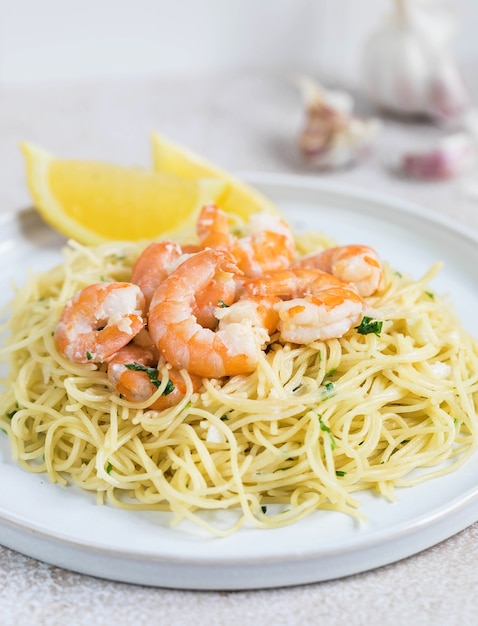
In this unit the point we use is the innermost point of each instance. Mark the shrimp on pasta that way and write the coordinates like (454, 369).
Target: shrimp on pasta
(268, 245)
(183, 342)
(154, 264)
(135, 372)
(99, 320)
(358, 265)
(161, 258)
(319, 306)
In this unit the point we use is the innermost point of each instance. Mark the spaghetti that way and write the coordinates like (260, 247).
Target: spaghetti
(390, 404)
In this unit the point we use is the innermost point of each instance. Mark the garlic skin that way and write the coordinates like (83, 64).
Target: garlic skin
(408, 67)
(332, 136)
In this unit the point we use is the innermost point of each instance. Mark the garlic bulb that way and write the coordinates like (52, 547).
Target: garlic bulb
(408, 66)
(332, 136)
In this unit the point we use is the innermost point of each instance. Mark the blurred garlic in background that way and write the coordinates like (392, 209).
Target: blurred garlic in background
(332, 136)
(408, 64)
(447, 157)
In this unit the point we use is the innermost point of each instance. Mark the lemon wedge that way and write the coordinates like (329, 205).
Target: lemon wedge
(94, 202)
(237, 198)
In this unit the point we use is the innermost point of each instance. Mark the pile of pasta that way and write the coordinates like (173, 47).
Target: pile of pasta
(388, 405)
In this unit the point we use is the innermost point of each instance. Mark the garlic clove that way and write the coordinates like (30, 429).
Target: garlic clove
(448, 158)
(314, 93)
(332, 136)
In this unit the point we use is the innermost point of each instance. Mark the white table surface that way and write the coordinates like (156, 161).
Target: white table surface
(244, 122)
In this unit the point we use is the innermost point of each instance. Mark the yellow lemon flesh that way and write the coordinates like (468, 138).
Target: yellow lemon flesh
(237, 198)
(94, 202)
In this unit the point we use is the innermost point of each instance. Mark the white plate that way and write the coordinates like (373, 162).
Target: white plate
(64, 527)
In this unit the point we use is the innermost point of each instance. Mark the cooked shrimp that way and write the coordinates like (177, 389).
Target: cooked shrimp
(99, 320)
(268, 246)
(220, 292)
(183, 342)
(259, 311)
(212, 228)
(357, 265)
(133, 382)
(159, 259)
(321, 306)
(135, 370)
(153, 265)
(172, 397)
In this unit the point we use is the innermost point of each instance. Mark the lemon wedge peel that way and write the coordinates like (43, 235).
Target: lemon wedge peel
(94, 202)
(237, 198)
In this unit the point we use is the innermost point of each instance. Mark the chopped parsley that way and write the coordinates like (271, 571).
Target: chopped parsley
(329, 390)
(152, 373)
(89, 356)
(326, 429)
(368, 326)
(340, 473)
(11, 413)
(169, 389)
(222, 304)
(323, 425)
(109, 467)
(430, 294)
(264, 509)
